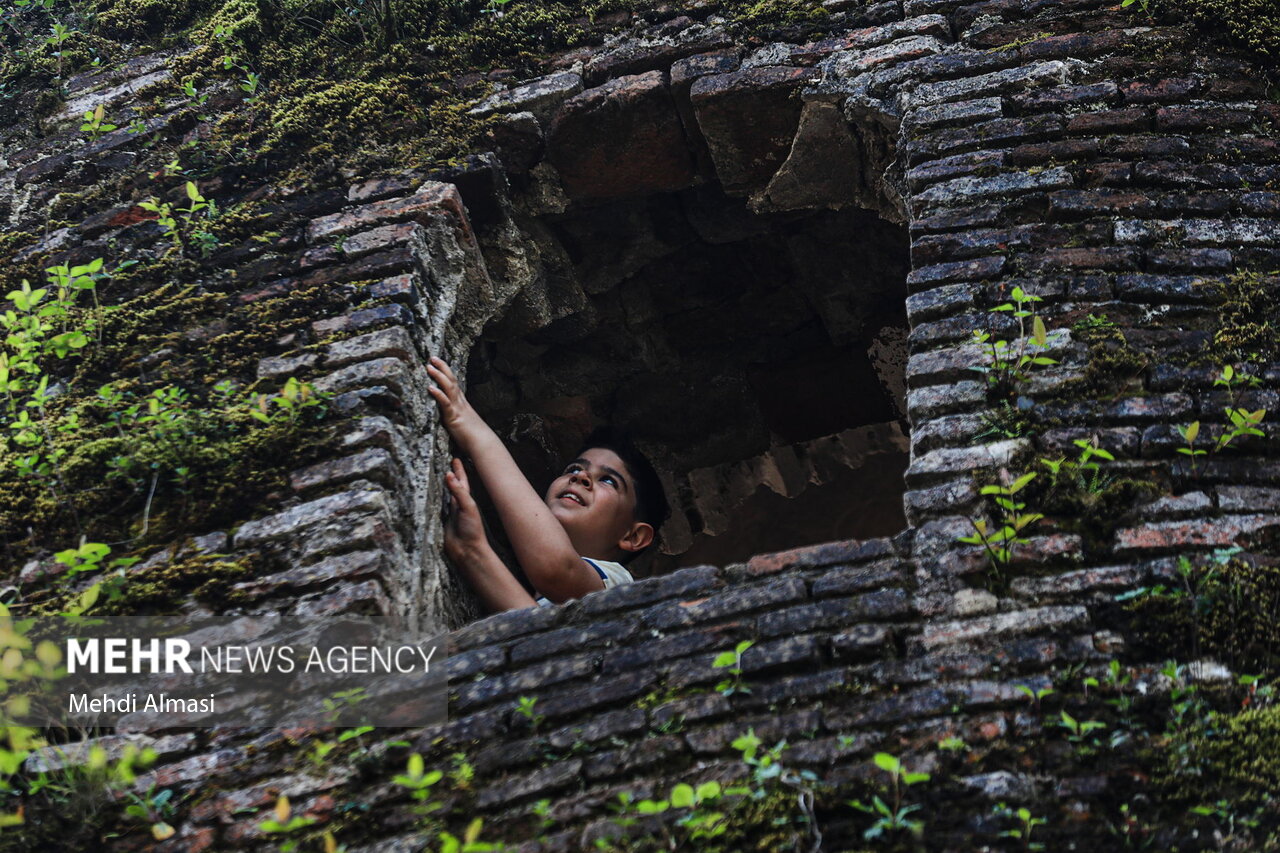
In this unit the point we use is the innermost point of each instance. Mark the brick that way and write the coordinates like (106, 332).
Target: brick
(504, 626)
(987, 134)
(1162, 407)
(1248, 499)
(530, 680)
(379, 372)
(924, 403)
(1160, 91)
(977, 269)
(955, 166)
(1134, 120)
(951, 220)
(393, 342)
(923, 25)
(926, 702)
(617, 690)
(732, 602)
(1190, 260)
(833, 613)
(572, 638)
(599, 727)
(363, 319)
(683, 583)
(279, 367)
(664, 649)
(939, 302)
(1181, 119)
(399, 288)
(948, 498)
(1219, 533)
(293, 521)
(959, 112)
(816, 556)
(1088, 258)
(1007, 80)
(469, 663)
(1036, 620)
(1054, 152)
(1142, 287)
(860, 642)
(1075, 45)
(938, 464)
(1105, 92)
(770, 729)
(967, 189)
(843, 580)
(538, 96)
(431, 197)
(632, 760)
(373, 463)
(544, 780)
(359, 564)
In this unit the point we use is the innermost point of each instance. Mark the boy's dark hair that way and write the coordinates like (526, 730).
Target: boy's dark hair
(651, 498)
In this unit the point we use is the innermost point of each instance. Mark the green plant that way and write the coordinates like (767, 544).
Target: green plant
(525, 707)
(294, 400)
(1241, 422)
(58, 34)
(1085, 474)
(1026, 825)
(89, 558)
(1036, 696)
(285, 823)
(1080, 732)
(1008, 363)
(894, 816)
(953, 744)
(1145, 5)
(419, 782)
(470, 841)
(1009, 527)
(732, 662)
(95, 123)
(154, 808)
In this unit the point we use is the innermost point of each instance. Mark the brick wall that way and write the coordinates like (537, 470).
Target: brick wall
(1110, 165)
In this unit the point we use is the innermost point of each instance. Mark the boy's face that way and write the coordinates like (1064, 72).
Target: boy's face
(595, 501)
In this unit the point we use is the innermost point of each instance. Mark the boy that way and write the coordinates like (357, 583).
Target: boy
(603, 510)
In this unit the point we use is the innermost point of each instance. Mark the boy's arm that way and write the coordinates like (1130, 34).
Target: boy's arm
(543, 548)
(468, 548)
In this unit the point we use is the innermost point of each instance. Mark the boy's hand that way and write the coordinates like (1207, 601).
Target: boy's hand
(463, 530)
(456, 413)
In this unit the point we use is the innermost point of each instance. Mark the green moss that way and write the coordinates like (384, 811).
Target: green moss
(1237, 759)
(204, 577)
(1250, 24)
(1229, 612)
(1247, 330)
(137, 19)
(1114, 366)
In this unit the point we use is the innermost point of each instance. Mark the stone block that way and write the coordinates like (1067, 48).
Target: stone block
(812, 556)
(1039, 620)
(620, 139)
(749, 119)
(834, 613)
(539, 96)
(393, 342)
(733, 602)
(293, 521)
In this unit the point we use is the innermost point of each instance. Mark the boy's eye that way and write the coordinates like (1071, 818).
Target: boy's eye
(608, 478)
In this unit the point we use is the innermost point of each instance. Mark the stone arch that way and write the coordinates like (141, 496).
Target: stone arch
(721, 150)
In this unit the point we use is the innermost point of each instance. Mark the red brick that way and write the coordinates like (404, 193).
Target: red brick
(1110, 121)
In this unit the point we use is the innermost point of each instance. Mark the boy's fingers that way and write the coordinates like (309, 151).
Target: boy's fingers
(461, 473)
(443, 366)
